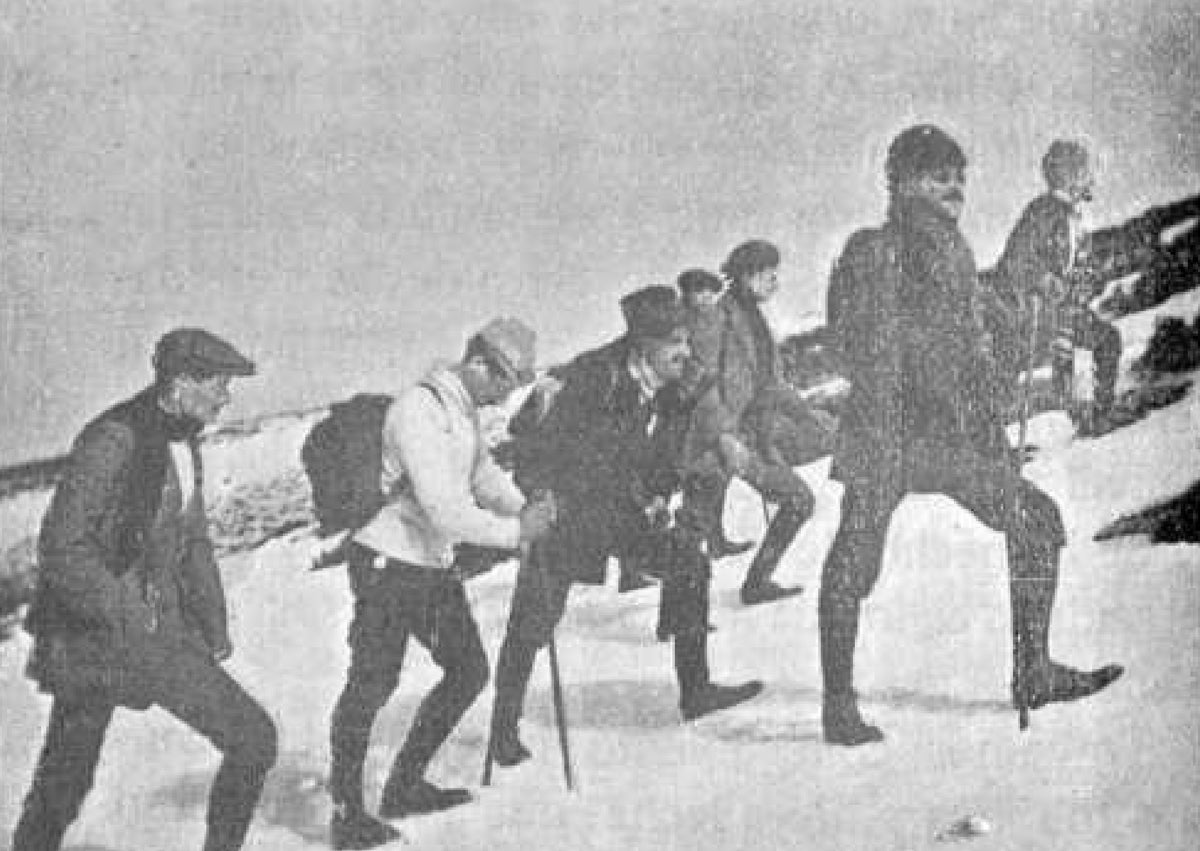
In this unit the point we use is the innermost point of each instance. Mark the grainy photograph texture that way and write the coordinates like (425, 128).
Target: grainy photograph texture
(607, 425)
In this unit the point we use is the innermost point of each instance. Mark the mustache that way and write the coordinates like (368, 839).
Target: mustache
(954, 195)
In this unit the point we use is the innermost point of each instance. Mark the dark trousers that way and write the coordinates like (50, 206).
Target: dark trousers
(539, 601)
(983, 485)
(198, 692)
(704, 498)
(390, 605)
(1104, 341)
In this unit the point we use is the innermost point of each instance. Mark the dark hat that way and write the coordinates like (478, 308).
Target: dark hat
(921, 150)
(513, 342)
(750, 258)
(696, 280)
(653, 312)
(194, 351)
(1064, 158)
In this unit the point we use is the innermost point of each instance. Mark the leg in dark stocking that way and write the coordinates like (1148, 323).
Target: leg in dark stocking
(450, 633)
(63, 776)
(781, 485)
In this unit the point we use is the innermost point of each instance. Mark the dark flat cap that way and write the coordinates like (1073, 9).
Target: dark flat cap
(653, 312)
(695, 280)
(190, 351)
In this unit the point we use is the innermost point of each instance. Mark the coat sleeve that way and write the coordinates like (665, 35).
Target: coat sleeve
(494, 489)
(73, 554)
(417, 431)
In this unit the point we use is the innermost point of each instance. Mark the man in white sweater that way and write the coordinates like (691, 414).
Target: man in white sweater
(442, 489)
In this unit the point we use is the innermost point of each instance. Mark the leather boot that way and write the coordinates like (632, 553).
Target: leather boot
(1037, 679)
(840, 719)
(720, 546)
(354, 828)
(412, 797)
(698, 695)
(758, 586)
(513, 669)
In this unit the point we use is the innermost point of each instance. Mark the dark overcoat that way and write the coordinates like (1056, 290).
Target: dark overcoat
(605, 455)
(126, 573)
(906, 316)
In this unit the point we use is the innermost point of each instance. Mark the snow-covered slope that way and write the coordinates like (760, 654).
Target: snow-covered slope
(1120, 771)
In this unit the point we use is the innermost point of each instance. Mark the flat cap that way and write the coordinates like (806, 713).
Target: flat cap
(513, 342)
(922, 149)
(696, 280)
(194, 351)
(653, 312)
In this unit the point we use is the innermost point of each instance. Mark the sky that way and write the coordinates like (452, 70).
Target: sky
(346, 190)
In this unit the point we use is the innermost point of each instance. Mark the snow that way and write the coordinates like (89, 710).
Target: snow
(1118, 771)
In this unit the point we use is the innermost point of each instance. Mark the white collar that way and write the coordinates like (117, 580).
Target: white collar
(647, 379)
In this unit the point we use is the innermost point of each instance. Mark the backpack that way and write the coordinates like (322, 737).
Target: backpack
(343, 459)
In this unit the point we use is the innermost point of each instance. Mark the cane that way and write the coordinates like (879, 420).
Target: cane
(556, 690)
(1015, 498)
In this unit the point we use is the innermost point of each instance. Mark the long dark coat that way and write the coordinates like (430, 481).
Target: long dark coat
(906, 315)
(126, 572)
(593, 449)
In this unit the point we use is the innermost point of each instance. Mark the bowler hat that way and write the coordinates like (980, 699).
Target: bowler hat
(194, 351)
(512, 342)
(653, 312)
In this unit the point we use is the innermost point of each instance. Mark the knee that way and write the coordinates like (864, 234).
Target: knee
(471, 676)
(368, 689)
(851, 568)
(257, 742)
(800, 503)
(1041, 520)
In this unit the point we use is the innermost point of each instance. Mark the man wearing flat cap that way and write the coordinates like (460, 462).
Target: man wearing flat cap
(442, 491)
(129, 609)
(609, 450)
(904, 309)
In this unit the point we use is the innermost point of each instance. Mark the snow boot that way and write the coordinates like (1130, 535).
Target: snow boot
(758, 586)
(843, 725)
(720, 546)
(507, 749)
(840, 719)
(698, 695)
(402, 799)
(712, 697)
(354, 828)
(1037, 679)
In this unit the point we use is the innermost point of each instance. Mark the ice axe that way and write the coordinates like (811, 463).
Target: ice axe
(1023, 397)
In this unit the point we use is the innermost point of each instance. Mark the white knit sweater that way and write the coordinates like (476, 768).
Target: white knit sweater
(442, 485)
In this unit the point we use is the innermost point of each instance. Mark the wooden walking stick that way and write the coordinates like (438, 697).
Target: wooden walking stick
(1015, 506)
(560, 713)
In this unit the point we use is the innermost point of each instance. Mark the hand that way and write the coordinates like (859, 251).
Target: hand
(1053, 287)
(658, 515)
(538, 516)
(735, 453)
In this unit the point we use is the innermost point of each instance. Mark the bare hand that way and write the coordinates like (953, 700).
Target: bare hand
(734, 452)
(538, 516)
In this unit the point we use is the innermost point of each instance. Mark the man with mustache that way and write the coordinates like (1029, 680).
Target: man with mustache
(923, 417)
(1046, 248)
(608, 449)
(129, 610)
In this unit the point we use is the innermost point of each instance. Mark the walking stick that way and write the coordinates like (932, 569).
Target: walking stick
(1015, 502)
(560, 712)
